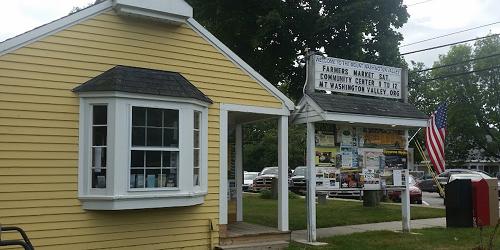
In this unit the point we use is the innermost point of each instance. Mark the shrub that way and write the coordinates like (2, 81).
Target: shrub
(266, 194)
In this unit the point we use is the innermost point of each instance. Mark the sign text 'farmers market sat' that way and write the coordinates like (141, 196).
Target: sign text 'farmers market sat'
(346, 76)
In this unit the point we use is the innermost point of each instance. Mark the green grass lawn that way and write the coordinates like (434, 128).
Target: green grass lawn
(334, 213)
(431, 238)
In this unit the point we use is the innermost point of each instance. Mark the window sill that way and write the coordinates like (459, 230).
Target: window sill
(141, 201)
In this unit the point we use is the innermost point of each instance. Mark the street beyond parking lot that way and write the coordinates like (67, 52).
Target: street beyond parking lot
(432, 200)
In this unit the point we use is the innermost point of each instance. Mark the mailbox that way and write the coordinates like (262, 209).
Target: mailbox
(480, 203)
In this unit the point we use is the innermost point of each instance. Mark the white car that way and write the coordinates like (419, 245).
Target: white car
(474, 177)
(248, 180)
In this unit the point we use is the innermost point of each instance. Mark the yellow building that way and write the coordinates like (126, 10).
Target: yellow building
(114, 126)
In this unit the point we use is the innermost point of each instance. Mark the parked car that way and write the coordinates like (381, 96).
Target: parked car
(265, 179)
(248, 178)
(415, 192)
(297, 183)
(429, 185)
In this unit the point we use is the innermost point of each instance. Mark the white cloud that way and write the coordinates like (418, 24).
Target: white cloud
(20, 16)
(439, 17)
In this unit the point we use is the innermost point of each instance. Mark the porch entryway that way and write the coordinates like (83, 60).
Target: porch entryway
(232, 228)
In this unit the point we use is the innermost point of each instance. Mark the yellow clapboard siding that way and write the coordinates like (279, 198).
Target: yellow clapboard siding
(39, 99)
(46, 84)
(39, 163)
(21, 105)
(38, 115)
(39, 138)
(45, 147)
(22, 196)
(36, 179)
(38, 123)
(38, 131)
(39, 155)
(33, 187)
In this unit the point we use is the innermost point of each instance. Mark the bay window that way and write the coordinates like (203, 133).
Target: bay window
(141, 152)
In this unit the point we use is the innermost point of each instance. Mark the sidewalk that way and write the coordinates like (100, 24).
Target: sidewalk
(391, 226)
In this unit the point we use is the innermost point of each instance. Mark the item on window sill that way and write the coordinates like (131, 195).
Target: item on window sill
(132, 180)
(101, 181)
(150, 181)
(171, 181)
(196, 180)
(163, 180)
(140, 181)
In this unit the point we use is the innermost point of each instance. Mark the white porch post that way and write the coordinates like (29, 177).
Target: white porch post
(223, 167)
(283, 173)
(239, 172)
(311, 184)
(405, 195)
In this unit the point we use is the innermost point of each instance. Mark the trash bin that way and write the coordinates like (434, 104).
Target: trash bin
(458, 195)
(480, 203)
(493, 197)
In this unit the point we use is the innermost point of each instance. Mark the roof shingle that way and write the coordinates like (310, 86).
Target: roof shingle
(366, 106)
(143, 81)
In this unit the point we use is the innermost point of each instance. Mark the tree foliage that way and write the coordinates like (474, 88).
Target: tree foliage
(471, 86)
(271, 35)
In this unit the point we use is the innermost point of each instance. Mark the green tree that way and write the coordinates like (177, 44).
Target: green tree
(471, 87)
(271, 35)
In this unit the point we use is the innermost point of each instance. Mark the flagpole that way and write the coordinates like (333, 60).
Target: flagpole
(414, 135)
(433, 174)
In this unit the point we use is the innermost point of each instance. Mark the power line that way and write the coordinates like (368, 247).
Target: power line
(449, 44)
(449, 34)
(458, 63)
(459, 74)
(413, 4)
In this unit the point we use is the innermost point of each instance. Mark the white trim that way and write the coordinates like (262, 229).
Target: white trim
(254, 109)
(239, 62)
(239, 171)
(223, 182)
(53, 27)
(283, 173)
(175, 12)
(118, 94)
(311, 182)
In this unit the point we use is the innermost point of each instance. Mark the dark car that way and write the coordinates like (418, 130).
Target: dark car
(297, 183)
(415, 193)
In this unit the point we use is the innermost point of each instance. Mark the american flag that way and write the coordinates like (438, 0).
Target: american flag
(435, 134)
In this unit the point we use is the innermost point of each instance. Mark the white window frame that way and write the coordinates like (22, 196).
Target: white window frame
(118, 195)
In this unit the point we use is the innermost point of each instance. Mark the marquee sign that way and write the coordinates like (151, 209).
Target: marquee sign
(346, 76)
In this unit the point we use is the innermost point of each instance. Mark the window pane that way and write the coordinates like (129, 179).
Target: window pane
(138, 116)
(196, 177)
(197, 139)
(154, 117)
(197, 119)
(139, 136)
(196, 157)
(99, 136)
(137, 159)
(100, 115)
(154, 137)
(170, 118)
(99, 158)
(153, 159)
(170, 159)
(170, 137)
(99, 179)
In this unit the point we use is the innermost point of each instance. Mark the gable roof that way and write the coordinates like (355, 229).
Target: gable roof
(143, 81)
(366, 106)
(87, 13)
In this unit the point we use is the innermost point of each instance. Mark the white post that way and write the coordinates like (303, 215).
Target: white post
(283, 173)
(223, 167)
(239, 172)
(405, 195)
(311, 184)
